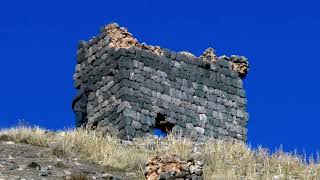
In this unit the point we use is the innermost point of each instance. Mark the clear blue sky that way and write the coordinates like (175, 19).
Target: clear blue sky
(38, 41)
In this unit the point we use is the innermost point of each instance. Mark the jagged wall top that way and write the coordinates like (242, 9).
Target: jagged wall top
(120, 37)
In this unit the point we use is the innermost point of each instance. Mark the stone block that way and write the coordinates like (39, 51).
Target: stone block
(145, 90)
(199, 130)
(173, 55)
(241, 93)
(240, 113)
(201, 109)
(130, 113)
(119, 53)
(171, 120)
(124, 122)
(124, 74)
(223, 63)
(133, 85)
(189, 126)
(150, 121)
(167, 52)
(129, 131)
(136, 124)
(145, 128)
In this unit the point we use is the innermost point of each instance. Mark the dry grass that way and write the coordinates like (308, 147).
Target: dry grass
(223, 160)
(78, 177)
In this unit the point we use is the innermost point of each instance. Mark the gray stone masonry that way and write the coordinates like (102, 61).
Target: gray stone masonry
(132, 86)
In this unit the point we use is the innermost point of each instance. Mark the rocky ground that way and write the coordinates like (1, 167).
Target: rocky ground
(34, 153)
(24, 161)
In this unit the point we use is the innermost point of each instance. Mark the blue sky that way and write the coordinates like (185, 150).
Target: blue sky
(38, 41)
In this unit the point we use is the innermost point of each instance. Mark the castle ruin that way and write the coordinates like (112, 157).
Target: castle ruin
(137, 88)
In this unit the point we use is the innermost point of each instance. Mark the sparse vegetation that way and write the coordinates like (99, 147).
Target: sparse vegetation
(223, 160)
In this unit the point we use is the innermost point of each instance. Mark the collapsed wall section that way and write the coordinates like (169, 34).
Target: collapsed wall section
(133, 87)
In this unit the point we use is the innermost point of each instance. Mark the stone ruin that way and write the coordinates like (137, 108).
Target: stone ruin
(136, 88)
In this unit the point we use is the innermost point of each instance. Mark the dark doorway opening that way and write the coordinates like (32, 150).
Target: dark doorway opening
(162, 127)
(95, 124)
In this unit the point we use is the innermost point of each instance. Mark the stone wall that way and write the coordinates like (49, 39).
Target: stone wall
(137, 89)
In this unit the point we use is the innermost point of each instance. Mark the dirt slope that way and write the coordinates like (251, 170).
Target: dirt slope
(24, 161)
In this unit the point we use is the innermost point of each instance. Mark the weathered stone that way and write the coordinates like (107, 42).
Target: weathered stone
(130, 113)
(199, 130)
(240, 64)
(136, 84)
(189, 126)
(150, 121)
(172, 167)
(136, 125)
(209, 55)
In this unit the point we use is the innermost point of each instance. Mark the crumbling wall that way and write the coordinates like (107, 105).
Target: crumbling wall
(135, 83)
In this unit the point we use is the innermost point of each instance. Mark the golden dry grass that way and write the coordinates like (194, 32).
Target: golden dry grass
(223, 160)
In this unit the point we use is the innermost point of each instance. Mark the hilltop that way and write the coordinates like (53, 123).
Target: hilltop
(80, 154)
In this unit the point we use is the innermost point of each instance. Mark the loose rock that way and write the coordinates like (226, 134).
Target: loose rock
(171, 167)
(209, 55)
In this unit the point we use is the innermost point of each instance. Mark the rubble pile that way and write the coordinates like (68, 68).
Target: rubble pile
(240, 64)
(171, 167)
(120, 37)
(209, 55)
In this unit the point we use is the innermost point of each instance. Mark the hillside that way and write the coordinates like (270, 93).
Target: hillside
(79, 154)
